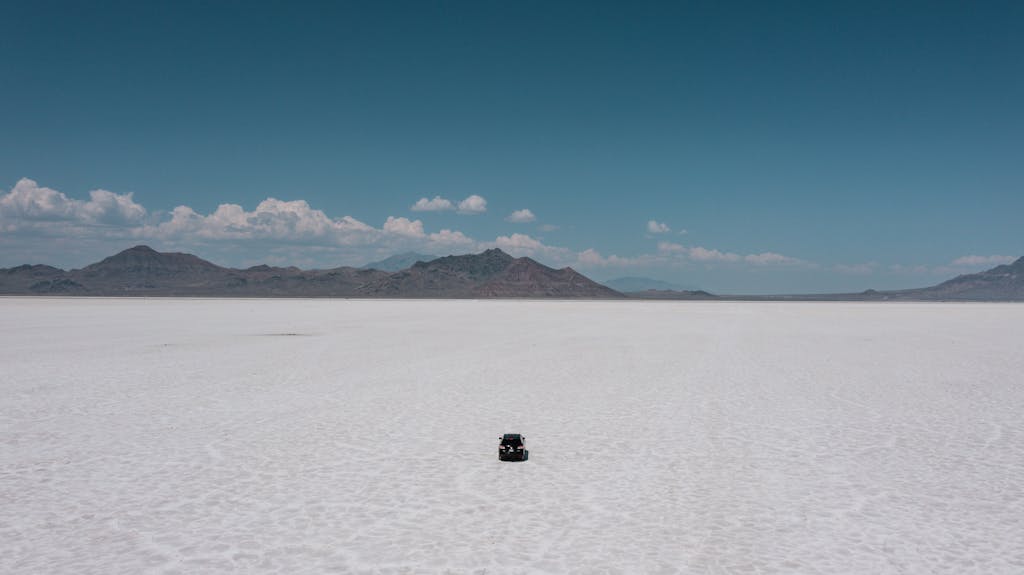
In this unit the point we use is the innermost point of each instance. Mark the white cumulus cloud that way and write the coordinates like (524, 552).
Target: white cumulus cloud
(518, 243)
(273, 219)
(525, 245)
(109, 208)
(594, 258)
(473, 205)
(28, 202)
(523, 216)
(438, 204)
(451, 240)
(657, 227)
(404, 227)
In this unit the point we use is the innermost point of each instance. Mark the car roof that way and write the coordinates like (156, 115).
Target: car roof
(511, 436)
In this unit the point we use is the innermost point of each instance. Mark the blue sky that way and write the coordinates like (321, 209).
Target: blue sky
(738, 147)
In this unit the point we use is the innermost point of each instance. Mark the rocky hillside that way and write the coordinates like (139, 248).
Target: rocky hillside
(1001, 283)
(492, 273)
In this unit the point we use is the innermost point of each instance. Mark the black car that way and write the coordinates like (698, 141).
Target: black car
(511, 448)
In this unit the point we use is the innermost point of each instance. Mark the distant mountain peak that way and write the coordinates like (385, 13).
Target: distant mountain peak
(398, 262)
(491, 273)
(141, 249)
(35, 269)
(147, 261)
(483, 264)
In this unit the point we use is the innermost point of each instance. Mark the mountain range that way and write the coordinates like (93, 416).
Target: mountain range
(143, 271)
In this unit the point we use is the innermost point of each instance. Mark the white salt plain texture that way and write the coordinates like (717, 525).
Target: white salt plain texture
(314, 436)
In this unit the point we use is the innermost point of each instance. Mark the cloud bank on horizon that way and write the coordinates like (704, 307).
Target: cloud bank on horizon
(46, 221)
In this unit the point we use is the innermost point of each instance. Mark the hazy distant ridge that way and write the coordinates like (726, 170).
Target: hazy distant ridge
(634, 283)
(398, 262)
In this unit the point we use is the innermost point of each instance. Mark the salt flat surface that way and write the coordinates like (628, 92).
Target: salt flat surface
(311, 436)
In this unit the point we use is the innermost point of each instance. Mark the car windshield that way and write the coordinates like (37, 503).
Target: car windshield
(512, 441)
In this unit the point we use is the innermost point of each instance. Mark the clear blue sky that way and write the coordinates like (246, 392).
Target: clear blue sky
(740, 147)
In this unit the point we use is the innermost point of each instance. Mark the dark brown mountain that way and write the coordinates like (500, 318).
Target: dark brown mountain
(526, 278)
(143, 271)
(145, 262)
(491, 274)
(450, 276)
(37, 270)
(36, 279)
